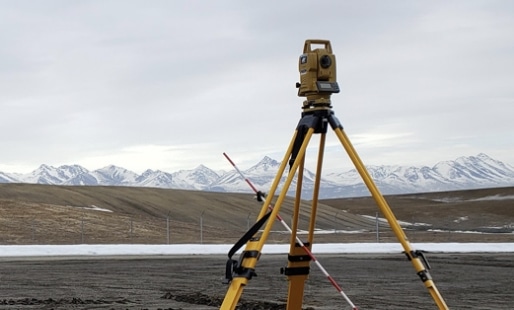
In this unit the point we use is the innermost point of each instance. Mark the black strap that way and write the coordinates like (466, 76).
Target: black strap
(233, 265)
(248, 235)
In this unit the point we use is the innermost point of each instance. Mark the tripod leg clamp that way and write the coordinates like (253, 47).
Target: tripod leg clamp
(295, 271)
(299, 254)
(235, 269)
(424, 275)
(298, 262)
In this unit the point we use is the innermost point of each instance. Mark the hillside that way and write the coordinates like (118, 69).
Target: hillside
(40, 214)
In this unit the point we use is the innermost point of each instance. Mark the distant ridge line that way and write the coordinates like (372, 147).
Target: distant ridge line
(466, 172)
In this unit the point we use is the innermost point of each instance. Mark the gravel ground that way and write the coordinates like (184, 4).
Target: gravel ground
(385, 281)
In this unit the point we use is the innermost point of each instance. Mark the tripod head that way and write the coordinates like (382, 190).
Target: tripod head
(317, 68)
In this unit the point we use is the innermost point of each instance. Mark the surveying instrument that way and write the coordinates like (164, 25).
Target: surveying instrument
(318, 82)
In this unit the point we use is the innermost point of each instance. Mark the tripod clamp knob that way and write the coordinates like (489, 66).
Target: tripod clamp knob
(261, 196)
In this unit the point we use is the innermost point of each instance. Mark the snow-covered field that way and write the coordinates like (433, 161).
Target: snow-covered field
(207, 249)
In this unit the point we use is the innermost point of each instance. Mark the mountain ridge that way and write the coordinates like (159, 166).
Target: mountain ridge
(465, 172)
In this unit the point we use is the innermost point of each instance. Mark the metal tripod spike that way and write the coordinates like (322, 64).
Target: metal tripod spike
(317, 72)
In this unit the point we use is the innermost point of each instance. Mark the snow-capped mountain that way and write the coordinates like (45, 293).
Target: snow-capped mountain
(7, 178)
(261, 175)
(113, 175)
(471, 172)
(158, 178)
(50, 175)
(200, 178)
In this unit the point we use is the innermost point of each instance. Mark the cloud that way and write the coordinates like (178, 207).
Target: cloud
(89, 82)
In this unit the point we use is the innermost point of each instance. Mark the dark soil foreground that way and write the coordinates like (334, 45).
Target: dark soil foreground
(388, 281)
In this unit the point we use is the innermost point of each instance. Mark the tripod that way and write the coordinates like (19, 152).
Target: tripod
(314, 121)
(317, 71)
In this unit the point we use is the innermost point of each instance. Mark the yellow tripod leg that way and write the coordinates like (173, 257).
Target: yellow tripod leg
(254, 247)
(413, 256)
(298, 267)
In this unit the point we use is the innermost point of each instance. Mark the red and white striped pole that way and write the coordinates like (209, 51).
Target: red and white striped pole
(306, 249)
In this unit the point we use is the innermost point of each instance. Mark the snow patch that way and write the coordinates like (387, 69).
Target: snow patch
(472, 231)
(495, 197)
(461, 219)
(448, 199)
(402, 223)
(95, 208)
(92, 207)
(209, 249)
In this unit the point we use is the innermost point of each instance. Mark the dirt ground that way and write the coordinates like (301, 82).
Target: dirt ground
(387, 281)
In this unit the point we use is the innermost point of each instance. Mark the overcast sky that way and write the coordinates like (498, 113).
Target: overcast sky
(173, 84)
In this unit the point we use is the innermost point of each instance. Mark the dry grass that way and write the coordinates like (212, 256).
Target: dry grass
(464, 210)
(43, 214)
